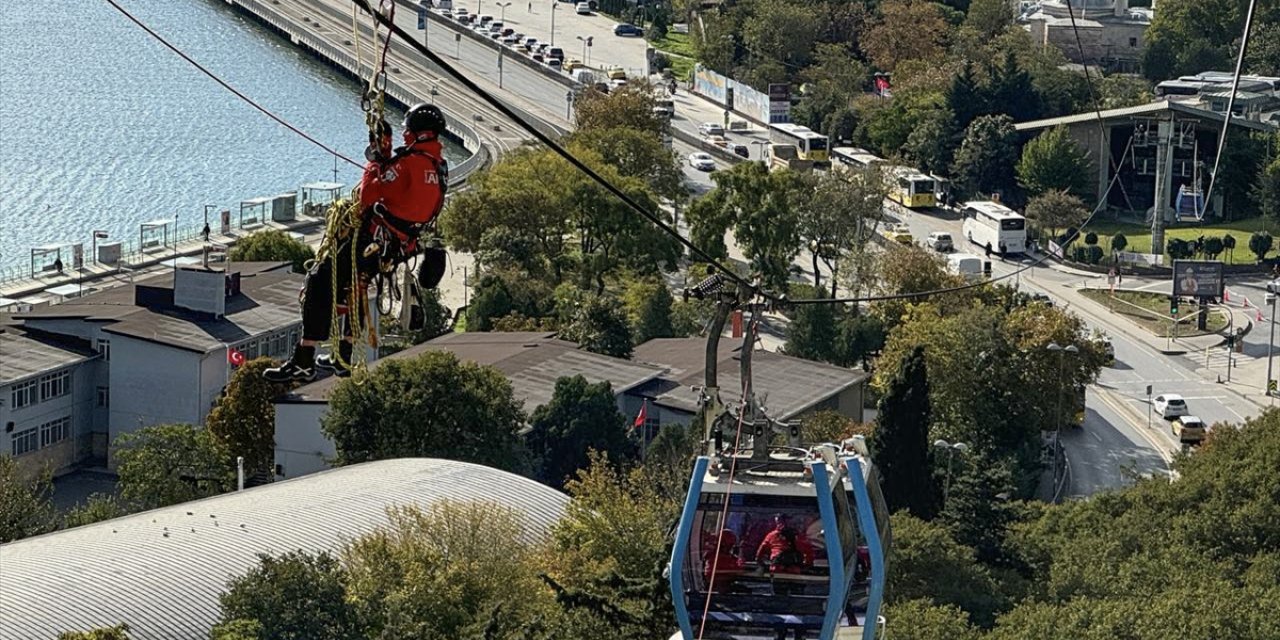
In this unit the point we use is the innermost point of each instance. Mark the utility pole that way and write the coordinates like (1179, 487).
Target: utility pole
(1273, 288)
(555, 4)
(1164, 178)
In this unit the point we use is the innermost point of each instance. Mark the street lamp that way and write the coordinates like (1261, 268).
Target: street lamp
(503, 16)
(584, 49)
(1059, 419)
(951, 449)
(555, 4)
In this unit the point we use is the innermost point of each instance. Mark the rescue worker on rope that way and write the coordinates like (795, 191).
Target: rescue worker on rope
(400, 194)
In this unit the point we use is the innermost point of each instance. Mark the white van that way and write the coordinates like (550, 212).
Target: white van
(583, 76)
(583, 9)
(965, 264)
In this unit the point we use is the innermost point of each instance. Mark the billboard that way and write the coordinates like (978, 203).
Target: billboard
(1197, 278)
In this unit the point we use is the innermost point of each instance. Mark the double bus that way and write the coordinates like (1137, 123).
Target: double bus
(912, 189)
(995, 226)
(809, 144)
(853, 159)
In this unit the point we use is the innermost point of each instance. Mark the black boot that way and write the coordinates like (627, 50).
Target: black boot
(299, 368)
(330, 363)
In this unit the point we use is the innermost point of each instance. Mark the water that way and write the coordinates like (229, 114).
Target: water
(102, 127)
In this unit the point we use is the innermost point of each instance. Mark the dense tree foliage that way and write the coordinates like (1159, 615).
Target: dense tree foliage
(272, 245)
(900, 444)
(581, 417)
(243, 422)
(166, 464)
(1191, 36)
(648, 305)
(1055, 210)
(599, 324)
(985, 161)
(96, 508)
(294, 596)
(430, 406)
(24, 502)
(118, 632)
(1054, 162)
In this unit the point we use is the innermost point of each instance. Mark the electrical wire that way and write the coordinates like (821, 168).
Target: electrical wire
(1231, 101)
(227, 86)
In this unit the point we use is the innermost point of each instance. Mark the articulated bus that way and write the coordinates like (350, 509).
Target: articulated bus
(809, 144)
(853, 159)
(993, 226)
(912, 189)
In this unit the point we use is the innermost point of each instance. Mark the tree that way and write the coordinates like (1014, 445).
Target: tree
(965, 99)
(762, 208)
(1011, 89)
(272, 245)
(1263, 56)
(905, 30)
(931, 143)
(929, 565)
(243, 421)
(1120, 243)
(118, 632)
(1266, 189)
(1090, 238)
(627, 107)
(442, 571)
(812, 332)
(1053, 162)
(984, 164)
(1260, 243)
(1119, 91)
(294, 596)
(431, 406)
(600, 325)
(24, 502)
(581, 417)
(1213, 247)
(1057, 210)
(648, 304)
(166, 464)
(830, 426)
(1179, 249)
(1187, 36)
(840, 216)
(900, 443)
(638, 153)
(782, 32)
(1229, 244)
(926, 621)
(988, 17)
(96, 508)
(501, 293)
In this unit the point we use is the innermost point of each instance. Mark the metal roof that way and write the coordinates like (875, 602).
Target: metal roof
(25, 356)
(790, 385)
(531, 361)
(1140, 110)
(161, 571)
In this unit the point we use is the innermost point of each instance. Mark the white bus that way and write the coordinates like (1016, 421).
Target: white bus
(994, 226)
(853, 158)
(810, 145)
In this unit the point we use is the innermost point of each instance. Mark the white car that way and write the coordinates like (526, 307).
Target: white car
(1170, 405)
(702, 161)
(708, 129)
(583, 9)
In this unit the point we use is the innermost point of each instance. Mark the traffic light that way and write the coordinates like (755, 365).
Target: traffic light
(588, 41)
(1173, 306)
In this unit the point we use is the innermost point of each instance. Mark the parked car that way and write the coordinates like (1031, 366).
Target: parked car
(940, 241)
(627, 30)
(1189, 429)
(1170, 405)
(702, 161)
(711, 129)
(901, 234)
(583, 9)
(1042, 299)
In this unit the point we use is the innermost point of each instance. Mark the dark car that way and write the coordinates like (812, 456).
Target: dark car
(537, 57)
(556, 52)
(629, 30)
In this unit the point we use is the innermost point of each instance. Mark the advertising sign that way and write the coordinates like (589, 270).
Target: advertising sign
(779, 102)
(1197, 278)
(226, 222)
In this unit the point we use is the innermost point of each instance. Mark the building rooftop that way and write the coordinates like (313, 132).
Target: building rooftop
(268, 300)
(26, 354)
(161, 571)
(1150, 109)
(790, 386)
(532, 361)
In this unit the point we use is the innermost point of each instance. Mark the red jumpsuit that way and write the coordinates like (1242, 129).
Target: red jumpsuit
(776, 543)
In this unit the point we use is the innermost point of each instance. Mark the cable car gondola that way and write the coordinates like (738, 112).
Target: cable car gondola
(775, 541)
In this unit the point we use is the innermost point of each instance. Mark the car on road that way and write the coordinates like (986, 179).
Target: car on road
(554, 63)
(556, 52)
(900, 233)
(530, 44)
(1042, 299)
(538, 57)
(739, 149)
(702, 161)
(485, 19)
(718, 141)
(510, 40)
(583, 9)
(459, 13)
(627, 30)
(1170, 405)
(709, 129)
(543, 46)
(940, 241)
(965, 265)
(1107, 349)
(571, 64)
(1189, 429)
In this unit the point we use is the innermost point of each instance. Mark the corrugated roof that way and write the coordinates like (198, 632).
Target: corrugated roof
(532, 361)
(789, 385)
(127, 570)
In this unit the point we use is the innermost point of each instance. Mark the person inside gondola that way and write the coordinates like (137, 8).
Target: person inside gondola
(785, 550)
(721, 563)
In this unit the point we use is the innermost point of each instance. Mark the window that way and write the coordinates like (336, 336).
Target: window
(24, 442)
(104, 397)
(55, 431)
(104, 347)
(24, 394)
(1133, 42)
(55, 385)
(253, 349)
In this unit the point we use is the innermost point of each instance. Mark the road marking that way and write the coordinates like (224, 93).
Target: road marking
(1096, 436)
(1144, 400)
(1125, 410)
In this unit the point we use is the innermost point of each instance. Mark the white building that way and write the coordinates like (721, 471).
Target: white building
(1111, 34)
(151, 352)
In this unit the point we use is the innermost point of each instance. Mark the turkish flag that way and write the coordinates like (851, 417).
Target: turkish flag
(642, 416)
(235, 357)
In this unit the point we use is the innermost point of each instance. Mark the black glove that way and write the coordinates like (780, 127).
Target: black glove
(431, 268)
(442, 171)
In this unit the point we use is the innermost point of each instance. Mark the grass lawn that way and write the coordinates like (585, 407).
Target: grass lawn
(1151, 312)
(1139, 236)
(677, 43)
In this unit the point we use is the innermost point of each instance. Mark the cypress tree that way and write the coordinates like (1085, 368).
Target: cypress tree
(900, 444)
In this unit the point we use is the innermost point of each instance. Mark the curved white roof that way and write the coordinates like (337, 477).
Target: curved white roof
(161, 571)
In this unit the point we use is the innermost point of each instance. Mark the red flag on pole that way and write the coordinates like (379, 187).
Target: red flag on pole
(235, 357)
(642, 416)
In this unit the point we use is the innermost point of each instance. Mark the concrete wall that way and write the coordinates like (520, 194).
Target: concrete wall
(154, 384)
(78, 405)
(301, 448)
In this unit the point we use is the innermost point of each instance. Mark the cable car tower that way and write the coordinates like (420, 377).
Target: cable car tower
(778, 539)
